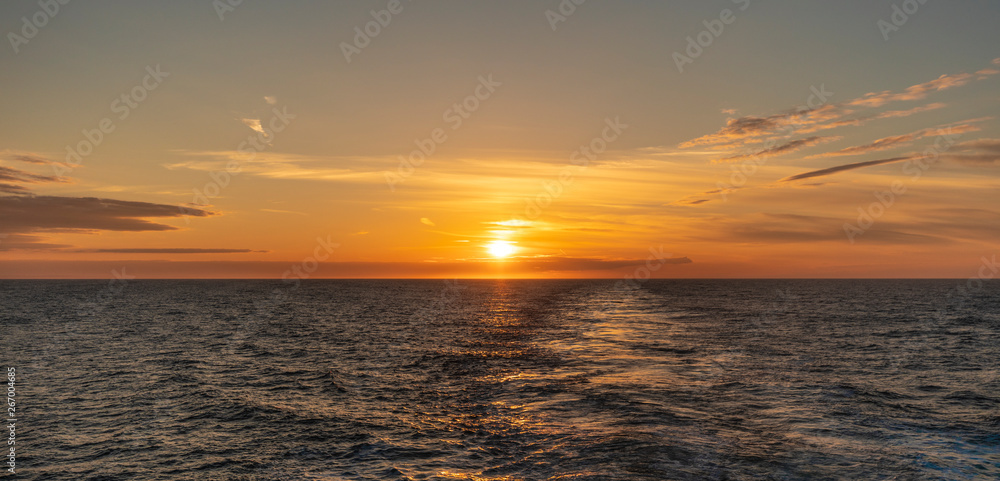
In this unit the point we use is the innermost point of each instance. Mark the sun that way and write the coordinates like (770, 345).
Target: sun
(500, 249)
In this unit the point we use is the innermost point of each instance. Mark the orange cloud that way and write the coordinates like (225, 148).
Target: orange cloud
(785, 148)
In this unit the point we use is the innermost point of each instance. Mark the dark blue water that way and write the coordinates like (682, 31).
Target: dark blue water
(504, 380)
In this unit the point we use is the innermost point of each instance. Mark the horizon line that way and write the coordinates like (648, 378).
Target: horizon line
(498, 279)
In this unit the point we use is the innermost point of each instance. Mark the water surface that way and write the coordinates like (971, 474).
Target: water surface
(504, 380)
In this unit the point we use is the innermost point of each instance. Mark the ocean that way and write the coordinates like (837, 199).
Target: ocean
(504, 379)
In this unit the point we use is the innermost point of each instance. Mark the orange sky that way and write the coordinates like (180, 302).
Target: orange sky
(486, 141)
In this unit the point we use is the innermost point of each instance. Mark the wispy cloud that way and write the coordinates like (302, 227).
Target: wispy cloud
(906, 113)
(747, 130)
(10, 174)
(690, 202)
(254, 124)
(986, 145)
(864, 119)
(279, 211)
(30, 158)
(842, 168)
(515, 223)
(784, 228)
(12, 180)
(976, 152)
(884, 143)
(277, 165)
(887, 143)
(785, 148)
(180, 250)
(753, 127)
(915, 92)
(13, 189)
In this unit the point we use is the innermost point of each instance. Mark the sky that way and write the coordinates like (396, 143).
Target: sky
(475, 139)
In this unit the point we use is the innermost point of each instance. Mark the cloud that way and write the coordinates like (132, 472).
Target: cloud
(26, 157)
(915, 92)
(590, 264)
(973, 159)
(10, 174)
(906, 113)
(782, 228)
(790, 123)
(880, 144)
(690, 202)
(841, 168)
(25, 213)
(30, 159)
(751, 129)
(254, 124)
(887, 143)
(276, 165)
(147, 269)
(426, 221)
(10, 242)
(783, 148)
(172, 251)
(512, 223)
(270, 100)
(11, 178)
(12, 189)
(279, 211)
(975, 152)
(750, 126)
(985, 145)
(33, 214)
(862, 120)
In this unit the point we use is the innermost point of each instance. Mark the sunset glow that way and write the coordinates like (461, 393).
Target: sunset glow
(500, 249)
(248, 147)
(499, 240)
